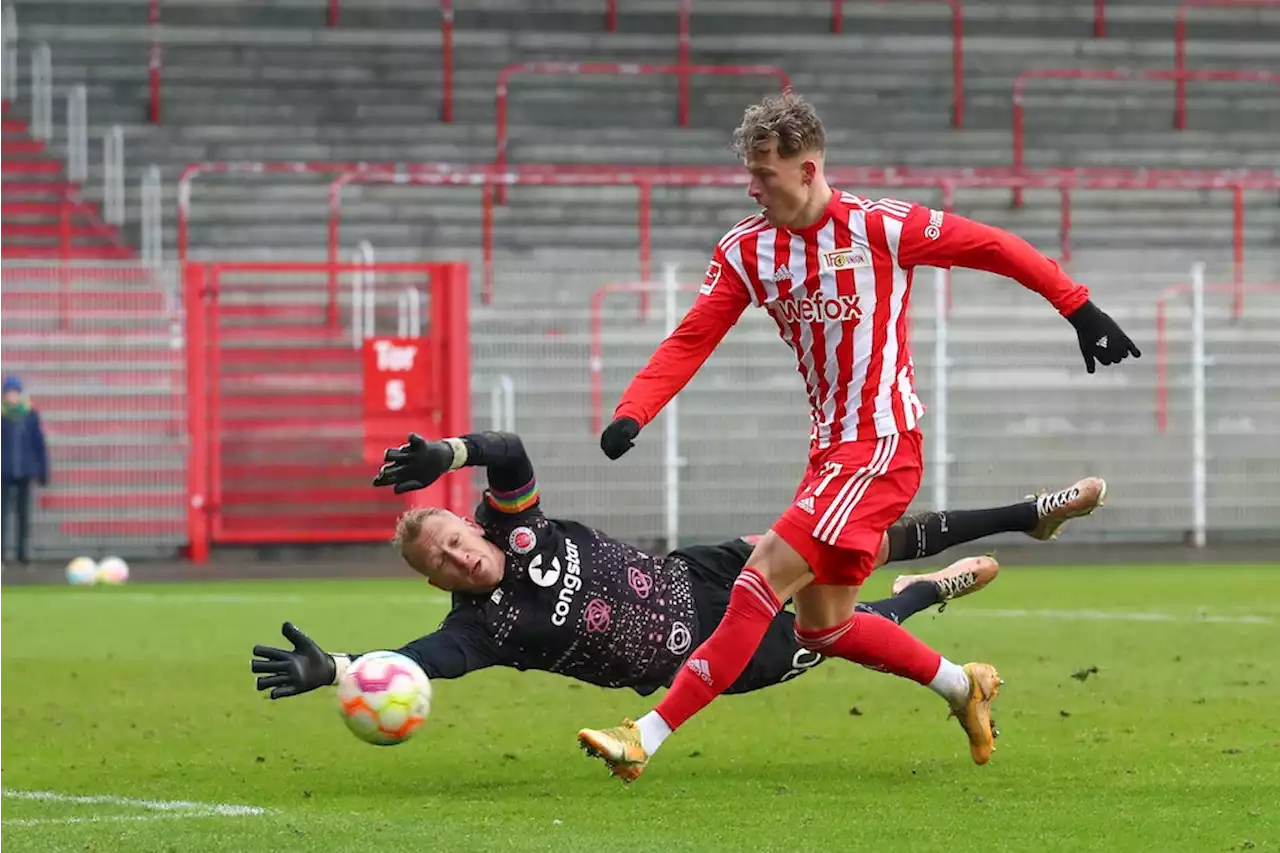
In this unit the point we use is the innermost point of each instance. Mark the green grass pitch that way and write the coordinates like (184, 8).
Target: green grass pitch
(119, 702)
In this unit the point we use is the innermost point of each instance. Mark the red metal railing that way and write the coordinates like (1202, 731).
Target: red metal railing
(1180, 47)
(682, 69)
(1020, 82)
(155, 60)
(948, 181)
(487, 181)
(957, 51)
(1099, 18)
(1162, 335)
(644, 289)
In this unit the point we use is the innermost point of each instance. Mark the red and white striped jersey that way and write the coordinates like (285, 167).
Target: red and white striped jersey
(838, 291)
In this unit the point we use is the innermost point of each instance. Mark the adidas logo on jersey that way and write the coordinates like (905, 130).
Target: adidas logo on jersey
(702, 668)
(781, 274)
(806, 504)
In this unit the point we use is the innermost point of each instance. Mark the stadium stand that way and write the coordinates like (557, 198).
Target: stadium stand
(246, 83)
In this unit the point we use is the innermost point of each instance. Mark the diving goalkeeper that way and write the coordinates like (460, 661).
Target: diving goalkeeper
(532, 592)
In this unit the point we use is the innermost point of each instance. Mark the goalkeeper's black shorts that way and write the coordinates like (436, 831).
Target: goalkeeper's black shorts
(780, 657)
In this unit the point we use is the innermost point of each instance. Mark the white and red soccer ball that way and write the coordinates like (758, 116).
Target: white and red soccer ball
(384, 697)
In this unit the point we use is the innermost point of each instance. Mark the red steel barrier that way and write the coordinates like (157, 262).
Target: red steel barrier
(1020, 82)
(1180, 47)
(947, 180)
(280, 422)
(487, 181)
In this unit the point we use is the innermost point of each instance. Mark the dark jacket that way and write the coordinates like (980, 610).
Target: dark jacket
(23, 455)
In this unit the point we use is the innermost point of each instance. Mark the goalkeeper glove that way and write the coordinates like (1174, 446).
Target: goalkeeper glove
(302, 670)
(1101, 338)
(419, 463)
(617, 437)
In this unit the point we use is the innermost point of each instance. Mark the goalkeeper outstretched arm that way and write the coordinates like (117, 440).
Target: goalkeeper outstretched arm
(461, 645)
(418, 463)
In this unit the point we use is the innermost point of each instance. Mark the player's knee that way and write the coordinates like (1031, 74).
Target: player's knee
(780, 565)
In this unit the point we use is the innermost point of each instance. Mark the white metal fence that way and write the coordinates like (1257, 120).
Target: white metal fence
(1011, 411)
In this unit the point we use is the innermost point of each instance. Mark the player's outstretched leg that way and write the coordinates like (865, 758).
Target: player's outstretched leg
(774, 572)
(914, 593)
(883, 645)
(1057, 508)
(961, 578)
(1041, 517)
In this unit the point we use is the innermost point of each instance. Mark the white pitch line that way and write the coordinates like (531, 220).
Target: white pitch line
(130, 818)
(1113, 616)
(173, 808)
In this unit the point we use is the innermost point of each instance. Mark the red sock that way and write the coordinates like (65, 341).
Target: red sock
(722, 657)
(877, 643)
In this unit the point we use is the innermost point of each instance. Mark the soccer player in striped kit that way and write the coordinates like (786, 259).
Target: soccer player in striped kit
(834, 270)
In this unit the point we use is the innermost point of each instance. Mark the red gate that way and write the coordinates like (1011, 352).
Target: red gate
(281, 434)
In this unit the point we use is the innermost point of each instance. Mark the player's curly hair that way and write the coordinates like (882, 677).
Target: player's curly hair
(788, 118)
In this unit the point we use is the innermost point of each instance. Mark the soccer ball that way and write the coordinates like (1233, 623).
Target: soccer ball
(384, 698)
(113, 570)
(82, 571)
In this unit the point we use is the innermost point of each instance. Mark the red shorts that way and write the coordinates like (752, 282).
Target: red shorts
(850, 495)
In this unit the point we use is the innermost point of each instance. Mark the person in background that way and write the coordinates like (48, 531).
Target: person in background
(23, 458)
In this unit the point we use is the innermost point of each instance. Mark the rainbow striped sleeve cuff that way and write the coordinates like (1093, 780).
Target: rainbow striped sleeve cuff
(515, 501)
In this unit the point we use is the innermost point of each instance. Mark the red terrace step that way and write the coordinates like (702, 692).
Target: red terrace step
(258, 382)
(322, 523)
(55, 188)
(315, 313)
(13, 125)
(55, 272)
(82, 300)
(30, 167)
(297, 470)
(76, 252)
(305, 423)
(257, 334)
(45, 208)
(97, 454)
(151, 401)
(54, 230)
(115, 500)
(122, 527)
(292, 357)
(291, 399)
(9, 147)
(122, 378)
(126, 477)
(315, 495)
(158, 429)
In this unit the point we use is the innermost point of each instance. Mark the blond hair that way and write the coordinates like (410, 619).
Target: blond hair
(409, 528)
(788, 118)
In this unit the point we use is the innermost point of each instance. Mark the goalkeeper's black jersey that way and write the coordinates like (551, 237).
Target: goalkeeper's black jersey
(572, 601)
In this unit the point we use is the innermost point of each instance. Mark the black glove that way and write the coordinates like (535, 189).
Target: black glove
(290, 673)
(414, 465)
(1101, 338)
(617, 437)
